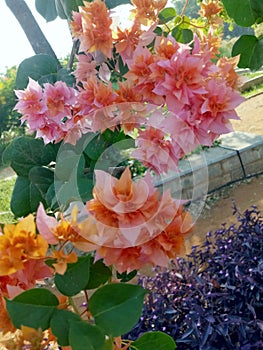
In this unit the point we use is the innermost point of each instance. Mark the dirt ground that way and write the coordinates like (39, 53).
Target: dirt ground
(219, 208)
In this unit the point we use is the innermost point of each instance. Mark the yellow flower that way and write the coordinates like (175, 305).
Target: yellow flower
(18, 244)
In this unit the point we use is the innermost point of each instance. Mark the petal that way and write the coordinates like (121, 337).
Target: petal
(44, 225)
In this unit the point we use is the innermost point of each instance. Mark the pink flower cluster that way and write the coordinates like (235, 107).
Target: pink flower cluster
(194, 98)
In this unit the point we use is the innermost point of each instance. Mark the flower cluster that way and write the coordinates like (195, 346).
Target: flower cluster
(198, 95)
(23, 253)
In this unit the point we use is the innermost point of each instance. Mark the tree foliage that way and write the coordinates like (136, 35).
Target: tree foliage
(8, 117)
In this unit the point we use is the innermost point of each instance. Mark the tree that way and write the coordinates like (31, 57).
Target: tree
(31, 28)
(8, 117)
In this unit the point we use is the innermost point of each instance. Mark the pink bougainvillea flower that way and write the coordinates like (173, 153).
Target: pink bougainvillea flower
(31, 105)
(127, 40)
(227, 69)
(157, 251)
(33, 271)
(95, 33)
(156, 151)
(219, 106)
(140, 74)
(146, 11)
(76, 25)
(59, 98)
(86, 68)
(64, 230)
(183, 78)
(128, 212)
(95, 95)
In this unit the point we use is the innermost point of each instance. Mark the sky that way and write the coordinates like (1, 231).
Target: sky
(14, 44)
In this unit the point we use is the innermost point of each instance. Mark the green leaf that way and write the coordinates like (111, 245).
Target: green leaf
(84, 336)
(42, 178)
(167, 14)
(47, 9)
(20, 200)
(75, 278)
(244, 15)
(182, 35)
(32, 308)
(27, 194)
(37, 296)
(250, 50)
(95, 148)
(50, 197)
(126, 277)
(69, 6)
(85, 184)
(117, 307)
(99, 274)
(60, 323)
(66, 76)
(40, 67)
(154, 340)
(23, 153)
(113, 3)
(60, 9)
(69, 164)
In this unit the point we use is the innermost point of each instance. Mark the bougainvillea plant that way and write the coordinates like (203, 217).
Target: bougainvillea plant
(140, 97)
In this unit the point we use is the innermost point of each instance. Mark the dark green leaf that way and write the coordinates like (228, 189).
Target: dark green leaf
(250, 50)
(37, 296)
(158, 31)
(69, 164)
(122, 67)
(70, 5)
(167, 14)
(20, 200)
(27, 195)
(95, 148)
(244, 15)
(85, 187)
(37, 67)
(23, 153)
(33, 308)
(84, 336)
(154, 340)
(60, 324)
(66, 76)
(126, 277)
(75, 278)
(99, 274)
(60, 9)
(42, 178)
(47, 9)
(117, 307)
(182, 35)
(50, 197)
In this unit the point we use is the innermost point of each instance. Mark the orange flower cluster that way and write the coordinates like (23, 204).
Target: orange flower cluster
(135, 226)
(147, 10)
(19, 244)
(92, 26)
(210, 9)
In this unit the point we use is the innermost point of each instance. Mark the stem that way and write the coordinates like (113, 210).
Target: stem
(71, 303)
(74, 51)
(184, 8)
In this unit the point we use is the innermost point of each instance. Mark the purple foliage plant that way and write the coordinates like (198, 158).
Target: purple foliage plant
(213, 298)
